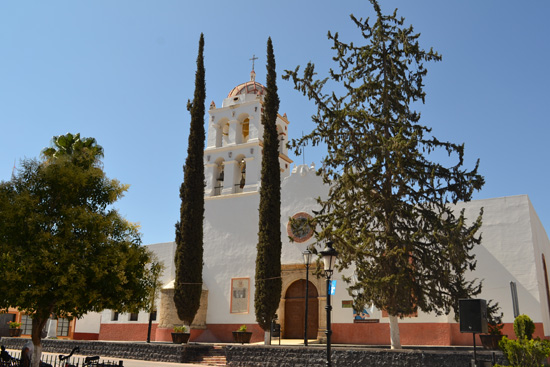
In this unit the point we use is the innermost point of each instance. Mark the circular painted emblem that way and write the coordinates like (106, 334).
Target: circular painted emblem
(298, 227)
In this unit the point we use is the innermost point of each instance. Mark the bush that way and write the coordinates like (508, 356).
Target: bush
(524, 327)
(525, 351)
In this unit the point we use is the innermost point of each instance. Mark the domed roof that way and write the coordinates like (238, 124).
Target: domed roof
(251, 87)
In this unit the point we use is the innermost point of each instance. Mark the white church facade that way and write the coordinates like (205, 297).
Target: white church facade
(514, 249)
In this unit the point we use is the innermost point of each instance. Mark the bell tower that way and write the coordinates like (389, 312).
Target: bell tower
(233, 154)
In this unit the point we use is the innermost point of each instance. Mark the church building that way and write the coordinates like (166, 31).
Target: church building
(513, 251)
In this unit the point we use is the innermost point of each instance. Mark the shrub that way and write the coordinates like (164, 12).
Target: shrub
(524, 327)
(525, 351)
(180, 329)
(242, 328)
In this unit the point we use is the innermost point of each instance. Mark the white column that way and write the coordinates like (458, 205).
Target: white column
(229, 177)
(233, 130)
(209, 170)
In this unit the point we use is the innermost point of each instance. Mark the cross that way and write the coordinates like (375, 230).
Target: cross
(253, 58)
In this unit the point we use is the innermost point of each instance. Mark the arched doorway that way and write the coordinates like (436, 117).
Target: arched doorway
(295, 307)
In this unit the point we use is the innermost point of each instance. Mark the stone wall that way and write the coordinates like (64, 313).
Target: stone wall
(168, 315)
(144, 351)
(267, 356)
(285, 356)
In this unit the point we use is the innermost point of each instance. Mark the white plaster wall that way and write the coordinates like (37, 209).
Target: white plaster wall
(541, 247)
(230, 238)
(89, 323)
(299, 192)
(506, 253)
(165, 253)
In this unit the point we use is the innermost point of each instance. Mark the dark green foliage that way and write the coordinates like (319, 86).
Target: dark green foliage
(189, 232)
(387, 210)
(524, 327)
(525, 351)
(63, 248)
(494, 318)
(268, 260)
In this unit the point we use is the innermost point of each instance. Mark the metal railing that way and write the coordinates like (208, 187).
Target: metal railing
(51, 360)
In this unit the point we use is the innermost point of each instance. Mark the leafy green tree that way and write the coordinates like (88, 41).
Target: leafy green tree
(387, 210)
(65, 145)
(268, 258)
(189, 229)
(59, 236)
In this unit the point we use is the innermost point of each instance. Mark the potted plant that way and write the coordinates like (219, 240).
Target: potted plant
(180, 335)
(15, 328)
(494, 326)
(242, 336)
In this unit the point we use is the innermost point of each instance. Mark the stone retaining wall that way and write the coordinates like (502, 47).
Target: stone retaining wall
(266, 356)
(285, 356)
(144, 351)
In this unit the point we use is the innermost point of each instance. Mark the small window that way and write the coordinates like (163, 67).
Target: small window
(26, 325)
(114, 316)
(63, 327)
(133, 317)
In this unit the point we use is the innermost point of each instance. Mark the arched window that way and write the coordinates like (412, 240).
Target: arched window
(225, 133)
(219, 177)
(282, 139)
(246, 128)
(222, 132)
(240, 174)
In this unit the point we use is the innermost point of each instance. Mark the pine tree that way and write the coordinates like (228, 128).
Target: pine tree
(189, 230)
(387, 210)
(268, 260)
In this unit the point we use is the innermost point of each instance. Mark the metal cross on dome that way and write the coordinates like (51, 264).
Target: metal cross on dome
(253, 59)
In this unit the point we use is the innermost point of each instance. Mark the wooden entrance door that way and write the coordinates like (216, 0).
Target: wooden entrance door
(295, 307)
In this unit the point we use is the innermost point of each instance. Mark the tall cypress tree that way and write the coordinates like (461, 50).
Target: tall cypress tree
(268, 260)
(189, 229)
(387, 210)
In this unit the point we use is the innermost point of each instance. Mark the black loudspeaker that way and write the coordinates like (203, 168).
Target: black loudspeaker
(473, 315)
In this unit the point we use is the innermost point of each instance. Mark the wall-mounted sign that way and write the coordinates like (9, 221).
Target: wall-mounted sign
(240, 295)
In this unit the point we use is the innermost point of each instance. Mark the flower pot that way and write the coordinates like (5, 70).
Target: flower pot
(490, 341)
(242, 336)
(15, 332)
(180, 338)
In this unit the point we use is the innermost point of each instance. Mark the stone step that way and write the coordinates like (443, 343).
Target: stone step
(213, 361)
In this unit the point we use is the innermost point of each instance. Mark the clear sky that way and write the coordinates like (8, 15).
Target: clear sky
(122, 72)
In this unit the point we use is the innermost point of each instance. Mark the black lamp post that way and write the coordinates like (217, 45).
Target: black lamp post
(329, 258)
(307, 260)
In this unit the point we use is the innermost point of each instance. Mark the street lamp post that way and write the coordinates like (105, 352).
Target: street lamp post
(307, 260)
(329, 258)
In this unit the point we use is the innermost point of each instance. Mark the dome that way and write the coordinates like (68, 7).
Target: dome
(247, 88)
(250, 87)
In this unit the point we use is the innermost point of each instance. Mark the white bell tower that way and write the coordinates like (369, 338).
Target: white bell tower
(233, 154)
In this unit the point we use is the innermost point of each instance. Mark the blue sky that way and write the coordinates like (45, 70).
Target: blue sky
(122, 72)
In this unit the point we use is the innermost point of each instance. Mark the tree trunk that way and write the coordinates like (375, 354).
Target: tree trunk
(37, 326)
(394, 333)
(267, 337)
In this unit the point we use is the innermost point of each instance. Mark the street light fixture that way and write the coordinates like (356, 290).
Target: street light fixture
(307, 260)
(329, 258)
